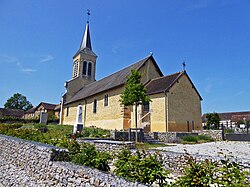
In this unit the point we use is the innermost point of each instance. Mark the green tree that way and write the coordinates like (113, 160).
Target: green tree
(18, 101)
(135, 93)
(213, 119)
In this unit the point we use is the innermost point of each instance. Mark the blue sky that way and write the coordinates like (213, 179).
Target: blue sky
(39, 38)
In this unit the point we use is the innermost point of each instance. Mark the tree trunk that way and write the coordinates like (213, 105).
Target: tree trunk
(136, 138)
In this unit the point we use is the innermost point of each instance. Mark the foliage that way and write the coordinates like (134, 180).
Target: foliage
(94, 132)
(89, 156)
(134, 93)
(10, 119)
(190, 139)
(213, 119)
(18, 101)
(145, 145)
(212, 173)
(197, 139)
(142, 167)
(229, 131)
(41, 127)
(197, 174)
(5, 128)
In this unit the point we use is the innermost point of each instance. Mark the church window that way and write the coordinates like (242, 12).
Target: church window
(75, 69)
(84, 68)
(106, 100)
(95, 106)
(67, 111)
(89, 68)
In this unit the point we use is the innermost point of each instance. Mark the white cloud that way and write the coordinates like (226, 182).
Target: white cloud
(47, 58)
(25, 70)
(6, 58)
(196, 5)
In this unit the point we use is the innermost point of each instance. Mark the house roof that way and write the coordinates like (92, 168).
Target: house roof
(163, 84)
(11, 112)
(47, 106)
(116, 79)
(58, 107)
(233, 116)
(32, 110)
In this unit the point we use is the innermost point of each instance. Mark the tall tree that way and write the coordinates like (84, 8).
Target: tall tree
(134, 93)
(213, 119)
(18, 101)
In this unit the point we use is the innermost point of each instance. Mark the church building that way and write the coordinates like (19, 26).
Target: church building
(175, 102)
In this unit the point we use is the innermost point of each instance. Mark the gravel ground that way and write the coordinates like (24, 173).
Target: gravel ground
(240, 150)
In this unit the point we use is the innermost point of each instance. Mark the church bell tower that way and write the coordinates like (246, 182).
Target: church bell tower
(84, 65)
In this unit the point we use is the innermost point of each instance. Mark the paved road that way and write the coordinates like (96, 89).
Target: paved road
(240, 150)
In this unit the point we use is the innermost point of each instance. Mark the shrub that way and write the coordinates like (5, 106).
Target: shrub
(89, 156)
(41, 127)
(142, 167)
(190, 139)
(212, 173)
(205, 137)
(95, 132)
(5, 128)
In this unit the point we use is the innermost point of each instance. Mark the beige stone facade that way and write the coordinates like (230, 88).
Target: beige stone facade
(175, 103)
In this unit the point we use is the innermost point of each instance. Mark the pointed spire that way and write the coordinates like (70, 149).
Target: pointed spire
(86, 43)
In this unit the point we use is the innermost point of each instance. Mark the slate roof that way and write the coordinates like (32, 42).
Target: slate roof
(163, 84)
(11, 112)
(58, 107)
(47, 106)
(32, 110)
(117, 79)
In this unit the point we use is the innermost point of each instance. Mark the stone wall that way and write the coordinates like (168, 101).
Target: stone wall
(24, 163)
(170, 137)
(215, 134)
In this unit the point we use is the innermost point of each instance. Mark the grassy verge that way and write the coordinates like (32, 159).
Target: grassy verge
(196, 139)
(146, 145)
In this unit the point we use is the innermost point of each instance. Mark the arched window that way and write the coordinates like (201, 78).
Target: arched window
(89, 69)
(84, 68)
(75, 69)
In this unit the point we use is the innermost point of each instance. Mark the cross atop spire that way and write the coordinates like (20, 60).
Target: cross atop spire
(184, 65)
(88, 13)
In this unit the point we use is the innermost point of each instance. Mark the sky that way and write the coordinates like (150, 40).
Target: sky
(39, 38)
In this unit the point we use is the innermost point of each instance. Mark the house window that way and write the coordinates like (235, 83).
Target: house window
(89, 68)
(84, 68)
(146, 107)
(94, 106)
(67, 111)
(106, 100)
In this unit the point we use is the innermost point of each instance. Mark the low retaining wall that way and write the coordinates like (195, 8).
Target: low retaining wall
(238, 137)
(124, 135)
(24, 163)
(109, 145)
(215, 134)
